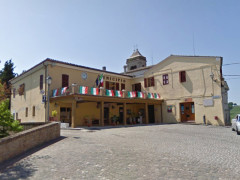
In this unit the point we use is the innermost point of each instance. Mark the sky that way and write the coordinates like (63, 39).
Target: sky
(98, 33)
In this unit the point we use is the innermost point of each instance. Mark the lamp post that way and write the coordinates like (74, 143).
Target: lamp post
(49, 81)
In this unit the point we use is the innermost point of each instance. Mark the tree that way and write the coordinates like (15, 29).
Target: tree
(230, 105)
(5, 75)
(7, 72)
(7, 123)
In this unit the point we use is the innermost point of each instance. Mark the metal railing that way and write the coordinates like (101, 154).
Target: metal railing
(85, 90)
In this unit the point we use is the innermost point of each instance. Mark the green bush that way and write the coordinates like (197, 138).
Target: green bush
(7, 123)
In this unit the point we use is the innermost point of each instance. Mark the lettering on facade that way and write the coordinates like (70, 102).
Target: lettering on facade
(114, 79)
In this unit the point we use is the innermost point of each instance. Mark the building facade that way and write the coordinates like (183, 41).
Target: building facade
(177, 89)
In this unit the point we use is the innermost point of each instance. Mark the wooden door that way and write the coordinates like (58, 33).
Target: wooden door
(187, 111)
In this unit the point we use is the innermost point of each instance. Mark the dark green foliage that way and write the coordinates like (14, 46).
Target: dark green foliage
(7, 123)
(7, 72)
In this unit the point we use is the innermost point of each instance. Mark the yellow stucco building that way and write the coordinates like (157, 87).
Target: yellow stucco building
(177, 89)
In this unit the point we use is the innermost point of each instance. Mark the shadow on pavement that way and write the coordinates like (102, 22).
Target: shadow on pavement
(99, 128)
(12, 169)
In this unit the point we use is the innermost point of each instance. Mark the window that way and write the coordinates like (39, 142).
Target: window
(26, 112)
(14, 93)
(112, 85)
(21, 89)
(165, 79)
(41, 82)
(33, 111)
(148, 82)
(122, 86)
(65, 79)
(182, 76)
(133, 67)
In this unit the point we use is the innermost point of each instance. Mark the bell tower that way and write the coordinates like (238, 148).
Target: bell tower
(135, 61)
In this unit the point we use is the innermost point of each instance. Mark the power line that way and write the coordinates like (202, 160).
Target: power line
(230, 64)
(232, 75)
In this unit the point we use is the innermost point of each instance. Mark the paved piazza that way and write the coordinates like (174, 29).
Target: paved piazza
(176, 151)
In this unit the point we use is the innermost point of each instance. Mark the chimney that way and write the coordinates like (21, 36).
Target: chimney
(125, 68)
(104, 68)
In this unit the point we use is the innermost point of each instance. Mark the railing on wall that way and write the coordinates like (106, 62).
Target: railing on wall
(85, 90)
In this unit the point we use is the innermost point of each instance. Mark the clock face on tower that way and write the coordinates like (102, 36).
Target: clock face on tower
(84, 75)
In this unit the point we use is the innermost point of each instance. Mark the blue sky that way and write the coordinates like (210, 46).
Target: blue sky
(100, 33)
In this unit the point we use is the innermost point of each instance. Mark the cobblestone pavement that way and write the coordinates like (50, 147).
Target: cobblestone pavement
(176, 151)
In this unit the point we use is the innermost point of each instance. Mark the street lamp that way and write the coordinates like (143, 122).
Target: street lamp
(49, 81)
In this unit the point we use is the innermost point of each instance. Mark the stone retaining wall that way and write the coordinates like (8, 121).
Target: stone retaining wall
(16, 144)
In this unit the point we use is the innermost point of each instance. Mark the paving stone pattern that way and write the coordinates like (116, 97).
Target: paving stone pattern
(176, 151)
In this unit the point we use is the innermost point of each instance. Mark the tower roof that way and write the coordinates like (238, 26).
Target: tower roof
(136, 53)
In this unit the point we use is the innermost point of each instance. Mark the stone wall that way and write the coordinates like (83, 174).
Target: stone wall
(16, 144)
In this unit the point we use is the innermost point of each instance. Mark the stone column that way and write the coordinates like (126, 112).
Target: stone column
(74, 104)
(102, 113)
(124, 113)
(146, 113)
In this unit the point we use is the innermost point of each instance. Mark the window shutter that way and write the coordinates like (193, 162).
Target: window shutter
(184, 76)
(122, 86)
(152, 81)
(117, 86)
(65, 79)
(41, 82)
(145, 82)
(107, 84)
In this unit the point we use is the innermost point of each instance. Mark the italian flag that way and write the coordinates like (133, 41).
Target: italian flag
(131, 94)
(83, 89)
(109, 92)
(63, 90)
(101, 80)
(150, 95)
(157, 96)
(118, 94)
(94, 91)
(55, 92)
(140, 94)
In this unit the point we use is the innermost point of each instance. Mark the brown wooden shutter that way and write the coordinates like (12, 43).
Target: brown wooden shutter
(107, 84)
(41, 82)
(152, 81)
(65, 79)
(182, 76)
(122, 86)
(145, 82)
(117, 86)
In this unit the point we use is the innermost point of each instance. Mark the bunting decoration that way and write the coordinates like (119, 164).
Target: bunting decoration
(150, 95)
(140, 94)
(83, 89)
(94, 91)
(131, 94)
(64, 89)
(55, 92)
(156, 96)
(118, 94)
(109, 92)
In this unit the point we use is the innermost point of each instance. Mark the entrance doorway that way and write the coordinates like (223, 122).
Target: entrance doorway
(65, 115)
(151, 115)
(120, 115)
(106, 116)
(187, 111)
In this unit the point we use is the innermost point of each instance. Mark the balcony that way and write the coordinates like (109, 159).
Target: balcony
(101, 92)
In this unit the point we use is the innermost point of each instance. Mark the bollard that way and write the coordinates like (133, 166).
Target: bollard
(204, 119)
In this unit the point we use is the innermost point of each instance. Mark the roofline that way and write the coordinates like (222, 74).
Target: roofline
(70, 64)
(192, 56)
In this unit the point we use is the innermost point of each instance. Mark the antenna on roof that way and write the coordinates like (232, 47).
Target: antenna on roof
(193, 45)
